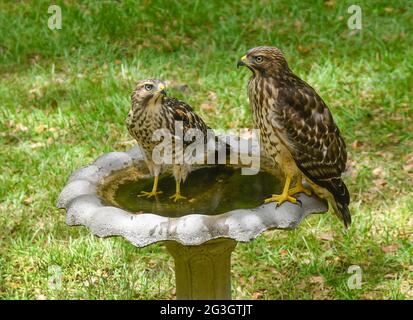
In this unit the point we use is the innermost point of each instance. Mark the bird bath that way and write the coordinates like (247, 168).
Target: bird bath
(223, 208)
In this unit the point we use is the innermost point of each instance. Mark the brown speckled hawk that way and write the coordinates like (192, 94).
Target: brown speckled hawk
(297, 130)
(153, 110)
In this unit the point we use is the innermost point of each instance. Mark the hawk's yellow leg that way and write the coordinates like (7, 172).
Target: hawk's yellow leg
(154, 191)
(177, 194)
(299, 188)
(284, 196)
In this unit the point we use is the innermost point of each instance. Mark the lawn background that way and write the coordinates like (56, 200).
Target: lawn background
(64, 95)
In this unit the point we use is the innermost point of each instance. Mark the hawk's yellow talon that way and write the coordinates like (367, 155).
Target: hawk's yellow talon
(176, 197)
(299, 188)
(281, 198)
(296, 190)
(149, 194)
(285, 196)
(154, 191)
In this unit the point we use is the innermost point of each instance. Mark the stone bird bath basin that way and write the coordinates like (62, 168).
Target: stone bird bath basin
(223, 208)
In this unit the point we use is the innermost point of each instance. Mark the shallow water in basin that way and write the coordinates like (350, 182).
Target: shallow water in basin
(210, 191)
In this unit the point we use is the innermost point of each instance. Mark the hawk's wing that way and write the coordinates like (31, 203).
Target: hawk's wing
(314, 140)
(182, 111)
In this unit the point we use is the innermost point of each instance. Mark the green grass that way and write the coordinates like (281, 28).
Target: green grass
(64, 95)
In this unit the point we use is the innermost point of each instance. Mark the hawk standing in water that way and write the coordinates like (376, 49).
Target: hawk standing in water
(153, 110)
(297, 130)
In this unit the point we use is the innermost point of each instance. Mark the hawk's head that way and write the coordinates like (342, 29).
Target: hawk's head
(148, 92)
(265, 61)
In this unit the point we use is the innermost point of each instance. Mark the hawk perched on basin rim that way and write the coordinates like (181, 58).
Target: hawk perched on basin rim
(297, 130)
(152, 110)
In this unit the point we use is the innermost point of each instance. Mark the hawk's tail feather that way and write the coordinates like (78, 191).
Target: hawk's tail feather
(340, 197)
(341, 200)
(344, 213)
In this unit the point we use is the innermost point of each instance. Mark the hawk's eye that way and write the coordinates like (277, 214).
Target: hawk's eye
(148, 87)
(259, 59)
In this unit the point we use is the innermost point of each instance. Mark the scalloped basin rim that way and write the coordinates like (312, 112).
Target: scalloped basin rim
(84, 207)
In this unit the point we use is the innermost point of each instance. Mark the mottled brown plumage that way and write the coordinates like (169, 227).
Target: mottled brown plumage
(153, 110)
(297, 129)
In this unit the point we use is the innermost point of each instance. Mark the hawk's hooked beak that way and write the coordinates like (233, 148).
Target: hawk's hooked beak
(242, 62)
(162, 89)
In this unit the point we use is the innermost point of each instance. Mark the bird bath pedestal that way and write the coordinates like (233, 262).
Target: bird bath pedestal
(203, 271)
(223, 208)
